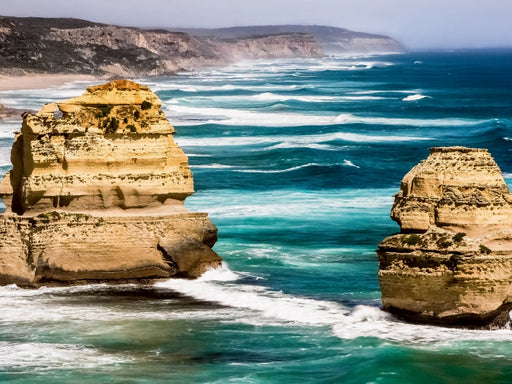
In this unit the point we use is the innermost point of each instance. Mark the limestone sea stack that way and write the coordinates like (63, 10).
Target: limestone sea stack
(96, 193)
(451, 263)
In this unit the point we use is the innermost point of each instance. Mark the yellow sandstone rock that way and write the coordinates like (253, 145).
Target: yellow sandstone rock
(452, 261)
(96, 193)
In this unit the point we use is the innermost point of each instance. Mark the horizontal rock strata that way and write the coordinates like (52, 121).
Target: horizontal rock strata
(451, 263)
(96, 193)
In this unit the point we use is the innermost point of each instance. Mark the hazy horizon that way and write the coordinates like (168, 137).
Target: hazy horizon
(422, 24)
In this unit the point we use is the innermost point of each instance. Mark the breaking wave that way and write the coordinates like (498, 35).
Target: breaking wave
(362, 321)
(184, 116)
(416, 97)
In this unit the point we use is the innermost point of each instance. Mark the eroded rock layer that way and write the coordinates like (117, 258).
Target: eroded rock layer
(451, 263)
(96, 193)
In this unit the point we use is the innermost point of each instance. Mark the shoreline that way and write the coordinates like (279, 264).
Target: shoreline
(41, 81)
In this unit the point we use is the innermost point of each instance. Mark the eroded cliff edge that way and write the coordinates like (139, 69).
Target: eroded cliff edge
(451, 263)
(96, 193)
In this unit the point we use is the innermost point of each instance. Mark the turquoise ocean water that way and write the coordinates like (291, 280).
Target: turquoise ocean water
(297, 162)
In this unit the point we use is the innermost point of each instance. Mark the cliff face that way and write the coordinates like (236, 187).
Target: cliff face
(40, 45)
(331, 39)
(452, 261)
(77, 46)
(96, 193)
(266, 47)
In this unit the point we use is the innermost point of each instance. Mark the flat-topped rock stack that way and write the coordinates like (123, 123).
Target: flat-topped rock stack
(451, 263)
(96, 192)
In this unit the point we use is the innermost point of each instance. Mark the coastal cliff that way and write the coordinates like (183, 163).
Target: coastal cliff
(451, 263)
(73, 46)
(333, 40)
(38, 45)
(96, 193)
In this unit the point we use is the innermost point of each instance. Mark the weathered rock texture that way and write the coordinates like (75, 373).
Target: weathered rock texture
(452, 261)
(96, 193)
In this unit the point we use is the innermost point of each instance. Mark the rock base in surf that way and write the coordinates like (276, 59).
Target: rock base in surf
(96, 194)
(451, 264)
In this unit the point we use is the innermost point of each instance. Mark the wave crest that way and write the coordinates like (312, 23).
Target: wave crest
(416, 97)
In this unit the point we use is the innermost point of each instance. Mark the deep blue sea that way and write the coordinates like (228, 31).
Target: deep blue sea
(296, 162)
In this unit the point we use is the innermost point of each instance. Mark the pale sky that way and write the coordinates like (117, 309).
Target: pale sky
(418, 24)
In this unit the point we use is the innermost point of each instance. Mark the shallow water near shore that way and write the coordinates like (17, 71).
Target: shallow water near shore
(296, 162)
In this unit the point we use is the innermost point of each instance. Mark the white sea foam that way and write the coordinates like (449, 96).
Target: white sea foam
(213, 166)
(198, 155)
(350, 164)
(416, 97)
(222, 273)
(377, 91)
(36, 356)
(267, 303)
(362, 321)
(347, 65)
(366, 321)
(184, 115)
(5, 157)
(51, 305)
(289, 203)
(291, 169)
(244, 303)
(292, 141)
(277, 97)
(7, 129)
(294, 144)
(195, 88)
(310, 99)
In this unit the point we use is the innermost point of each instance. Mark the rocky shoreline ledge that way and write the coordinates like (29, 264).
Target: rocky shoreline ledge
(451, 263)
(96, 193)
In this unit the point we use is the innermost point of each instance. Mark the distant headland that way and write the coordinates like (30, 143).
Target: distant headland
(31, 45)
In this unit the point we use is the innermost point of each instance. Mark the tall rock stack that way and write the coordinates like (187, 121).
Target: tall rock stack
(96, 193)
(451, 263)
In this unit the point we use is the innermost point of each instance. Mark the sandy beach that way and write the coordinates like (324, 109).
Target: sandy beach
(40, 81)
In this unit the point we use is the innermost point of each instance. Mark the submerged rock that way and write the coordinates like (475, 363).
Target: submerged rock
(451, 263)
(96, 192)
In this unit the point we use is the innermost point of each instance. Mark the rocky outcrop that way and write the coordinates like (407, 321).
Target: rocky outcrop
(96, 192)
(451, 263)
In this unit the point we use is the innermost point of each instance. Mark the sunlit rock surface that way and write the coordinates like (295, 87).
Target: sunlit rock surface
(96, 193)
(451, 263)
